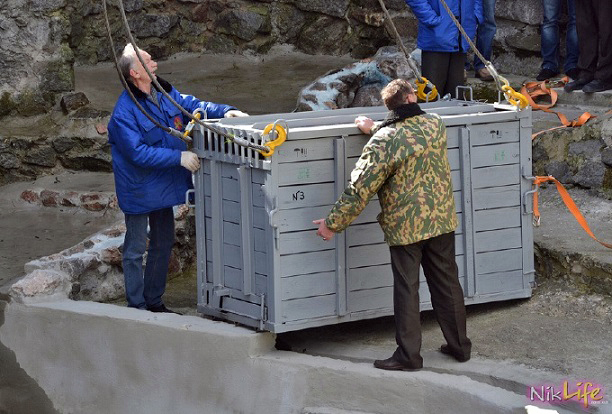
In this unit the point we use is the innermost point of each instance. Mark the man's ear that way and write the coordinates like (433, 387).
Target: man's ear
(134, 74)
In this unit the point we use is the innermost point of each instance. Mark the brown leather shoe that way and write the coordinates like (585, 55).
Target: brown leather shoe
(446, 351)
(392, 364)
(484, 75)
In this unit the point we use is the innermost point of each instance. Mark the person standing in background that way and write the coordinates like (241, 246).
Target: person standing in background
(484, 40)
(593, 20)
(443, 47)
(550, 40)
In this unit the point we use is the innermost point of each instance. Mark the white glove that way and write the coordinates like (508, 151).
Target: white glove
(234, 113)
(190, 161)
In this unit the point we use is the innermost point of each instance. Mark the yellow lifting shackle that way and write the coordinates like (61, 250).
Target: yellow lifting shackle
(422, 83)
(191, 124)
(281, 135)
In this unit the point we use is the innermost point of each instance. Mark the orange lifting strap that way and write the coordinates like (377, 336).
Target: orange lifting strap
(569, 203)
(533, 90)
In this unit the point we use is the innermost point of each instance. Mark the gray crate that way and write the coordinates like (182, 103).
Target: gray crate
(260, 262)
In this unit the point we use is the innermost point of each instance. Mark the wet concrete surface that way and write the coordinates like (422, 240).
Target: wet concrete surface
(30, 231)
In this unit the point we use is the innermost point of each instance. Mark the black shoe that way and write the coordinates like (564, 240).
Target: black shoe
(597, 85)
(392, 364)
(576, 85)
(546, 74)
(446, 350)
(573, 73)
(161, 309)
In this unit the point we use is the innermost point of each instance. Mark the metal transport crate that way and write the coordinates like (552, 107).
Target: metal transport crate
(260, 263)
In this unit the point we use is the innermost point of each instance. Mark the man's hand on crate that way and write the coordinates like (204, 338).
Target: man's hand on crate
(364, 124)
(323, 231)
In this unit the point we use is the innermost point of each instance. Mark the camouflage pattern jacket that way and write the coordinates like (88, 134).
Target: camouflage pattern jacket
(406, 163)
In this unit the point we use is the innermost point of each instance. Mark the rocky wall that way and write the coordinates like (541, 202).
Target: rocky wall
(578, 156)
(41, 39)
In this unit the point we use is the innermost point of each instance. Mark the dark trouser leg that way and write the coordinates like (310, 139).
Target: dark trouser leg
(455, 73)
(441, 274)
(586, 26)
(434, 66)
(134, 246)
(603, 13)
(405, 265)
(161, 240)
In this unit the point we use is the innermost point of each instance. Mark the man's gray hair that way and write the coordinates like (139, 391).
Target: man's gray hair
(127, 61)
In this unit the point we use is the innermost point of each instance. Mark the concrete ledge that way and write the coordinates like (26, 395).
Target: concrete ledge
(91, 357)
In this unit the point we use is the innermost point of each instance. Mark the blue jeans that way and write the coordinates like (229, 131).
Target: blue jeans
(145, 290)
(550, 36)
(485, 33)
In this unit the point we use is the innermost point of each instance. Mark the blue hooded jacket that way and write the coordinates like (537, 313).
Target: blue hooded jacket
(147, 160)
(437, 32)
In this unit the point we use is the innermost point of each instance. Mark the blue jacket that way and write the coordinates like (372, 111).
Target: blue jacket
(437, 32)
(147, 160)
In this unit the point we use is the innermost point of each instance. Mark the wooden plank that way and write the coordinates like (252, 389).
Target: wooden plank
(496, 176)
(306, 195)
(354, 145)
(292, 151)
(499, 282)
(452, 137)
(232, 256)
(368, 255)
(362, 300)
(308, 308)
(299, 218)
(361, 234)
(304, 263)
(371, 277)
(259, 176)
(305, 286)
(241, 307)
(499, 261)
(490, 155)
(495, 197)
(498, 133)
(310, 172)
(489, 241)
(498, 218)
(302, 242)
(230, 189)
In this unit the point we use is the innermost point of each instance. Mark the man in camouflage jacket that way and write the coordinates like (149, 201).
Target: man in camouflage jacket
(406, 163)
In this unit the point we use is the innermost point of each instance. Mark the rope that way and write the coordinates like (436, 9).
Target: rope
(206, 125)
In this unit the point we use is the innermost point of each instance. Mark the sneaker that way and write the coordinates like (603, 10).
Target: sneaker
(577, 85)
(573, 73)
(546, 74)
(597, 85)
(484, 75)
(161, 309)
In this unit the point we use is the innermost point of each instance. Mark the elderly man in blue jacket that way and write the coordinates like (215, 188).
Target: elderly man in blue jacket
(443, 48)
(152, 173)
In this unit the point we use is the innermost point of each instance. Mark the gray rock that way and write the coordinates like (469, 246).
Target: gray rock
(73, 101)
(44, 6)
(558, 169)
(240, 23)
(43, 156)
(41, 285)
(87, 161)
(325, 35)
(287, 21)
(9, 161)
(587, 149)
(525, 11)
(63, 144)
(336, 8)
(591, 175)
(606, 156)
(153, 25)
